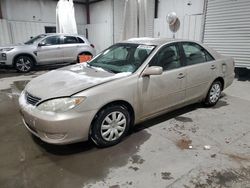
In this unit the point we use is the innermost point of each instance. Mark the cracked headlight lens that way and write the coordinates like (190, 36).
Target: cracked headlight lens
(60, 104)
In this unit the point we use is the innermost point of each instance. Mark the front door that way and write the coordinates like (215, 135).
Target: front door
(161, 92)
(49, 51)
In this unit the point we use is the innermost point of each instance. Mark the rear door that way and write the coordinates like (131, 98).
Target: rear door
(163, 91)
(200, 68)
(69, 48)
(49, 51)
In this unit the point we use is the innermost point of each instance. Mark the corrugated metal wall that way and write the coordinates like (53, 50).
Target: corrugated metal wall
(4, 33)
(100, 35)
(22, 31)
(149, 18)
(14, 32)
(100, 29)
(227, 29)
(27, 18)
(118, 19)
(147, 27)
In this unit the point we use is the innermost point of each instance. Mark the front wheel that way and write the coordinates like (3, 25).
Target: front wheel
(110, 126)
(214, 94)
(23, 64)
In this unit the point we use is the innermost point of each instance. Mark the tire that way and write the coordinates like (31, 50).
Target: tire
(213, 94)
(23, 63)
(105, 129)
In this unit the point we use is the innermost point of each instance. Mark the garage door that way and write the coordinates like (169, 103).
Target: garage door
(227, 29)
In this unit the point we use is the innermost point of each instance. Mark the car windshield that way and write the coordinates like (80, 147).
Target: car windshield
(33, 40)
(122, 57)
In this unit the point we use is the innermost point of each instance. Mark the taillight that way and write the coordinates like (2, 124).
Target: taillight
(92, 45)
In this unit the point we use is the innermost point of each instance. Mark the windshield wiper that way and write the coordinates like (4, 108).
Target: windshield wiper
(90, 66)
(105, 69)
(108, 70)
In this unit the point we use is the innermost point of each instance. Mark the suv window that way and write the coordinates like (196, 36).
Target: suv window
(168, 58)
(53, 40)
(195, 54)
(80, 40)
(70, 40)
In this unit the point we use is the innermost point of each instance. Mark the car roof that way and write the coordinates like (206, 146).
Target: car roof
(74, 35)
(51, 34)
(148, 41)
(161, 41)
(155, 41)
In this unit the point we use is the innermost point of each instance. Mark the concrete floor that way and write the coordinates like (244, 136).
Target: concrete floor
(156, 154)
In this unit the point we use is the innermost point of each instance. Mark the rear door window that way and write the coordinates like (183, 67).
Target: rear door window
(195, 54)
(70, 40)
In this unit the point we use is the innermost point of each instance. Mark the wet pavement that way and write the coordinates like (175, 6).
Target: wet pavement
(167, 151)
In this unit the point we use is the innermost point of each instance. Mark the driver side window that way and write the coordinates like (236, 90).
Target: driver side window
(168, 58)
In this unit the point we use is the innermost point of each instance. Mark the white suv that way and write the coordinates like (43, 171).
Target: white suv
(45, 49)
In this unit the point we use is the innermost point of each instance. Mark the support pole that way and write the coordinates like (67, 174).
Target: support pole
(1, 14)
(87, 12)
(156, 8)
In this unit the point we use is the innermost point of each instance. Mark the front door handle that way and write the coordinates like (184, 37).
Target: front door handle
(181, 75)
(213, 67)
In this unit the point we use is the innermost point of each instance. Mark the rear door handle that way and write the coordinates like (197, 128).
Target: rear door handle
(213, 67)
(181, 75)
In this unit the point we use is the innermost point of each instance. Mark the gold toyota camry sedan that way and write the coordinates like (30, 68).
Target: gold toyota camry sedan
(127, 83)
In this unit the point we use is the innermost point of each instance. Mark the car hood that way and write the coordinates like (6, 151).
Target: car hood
(68, 81)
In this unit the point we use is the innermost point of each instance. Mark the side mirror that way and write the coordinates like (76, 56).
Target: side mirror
(41, 44)
(154, 70)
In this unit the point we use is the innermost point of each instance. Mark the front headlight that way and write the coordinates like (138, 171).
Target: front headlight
(60, 104)
(6, 49)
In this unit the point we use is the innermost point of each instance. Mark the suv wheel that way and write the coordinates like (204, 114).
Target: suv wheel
(110, 126)
(23, 63)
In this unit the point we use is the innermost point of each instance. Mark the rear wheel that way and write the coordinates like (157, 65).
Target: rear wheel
(214, 94)
(23, 63)
(110, 126)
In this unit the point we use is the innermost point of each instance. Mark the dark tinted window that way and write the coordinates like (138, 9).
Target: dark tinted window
(53, 40)
(70, 40)
(195, 54)
(80, 40)
(168, 58)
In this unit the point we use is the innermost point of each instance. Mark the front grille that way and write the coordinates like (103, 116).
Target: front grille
(32, 99)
